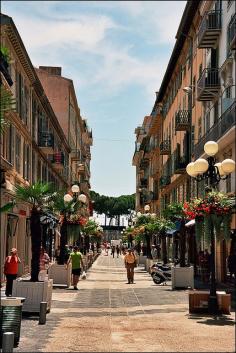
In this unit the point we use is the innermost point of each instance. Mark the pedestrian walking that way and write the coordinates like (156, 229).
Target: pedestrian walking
(44, 261)
(77, 262)
(130, 264)
(10, 270)
(117, 250)
(113, 248)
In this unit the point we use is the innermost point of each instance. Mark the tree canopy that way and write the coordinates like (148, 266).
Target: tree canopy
(113, 206)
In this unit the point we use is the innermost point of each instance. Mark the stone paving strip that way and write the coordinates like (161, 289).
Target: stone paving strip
(107, 315)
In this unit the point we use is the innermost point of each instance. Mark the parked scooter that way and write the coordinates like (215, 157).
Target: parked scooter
(160, 273)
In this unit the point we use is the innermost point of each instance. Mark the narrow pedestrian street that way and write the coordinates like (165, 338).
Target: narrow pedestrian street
(108, 315)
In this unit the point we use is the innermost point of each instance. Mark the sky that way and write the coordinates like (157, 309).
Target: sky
(116, 53)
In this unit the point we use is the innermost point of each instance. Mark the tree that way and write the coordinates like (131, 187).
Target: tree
(37, 195)
(7, 104)
(113, 206)
(66, 210)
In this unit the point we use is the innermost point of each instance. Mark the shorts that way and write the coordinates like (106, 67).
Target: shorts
(76, 271)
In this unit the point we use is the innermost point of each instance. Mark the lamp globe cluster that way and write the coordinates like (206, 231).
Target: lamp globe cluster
(200, 166)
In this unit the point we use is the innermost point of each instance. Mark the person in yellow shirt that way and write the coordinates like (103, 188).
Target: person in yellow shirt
(130, 264)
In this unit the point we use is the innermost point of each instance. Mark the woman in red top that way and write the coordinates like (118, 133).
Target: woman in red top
(10, 270)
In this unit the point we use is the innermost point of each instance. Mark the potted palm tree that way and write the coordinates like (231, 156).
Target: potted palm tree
(71, 220)
(35, 291)
(182, 275)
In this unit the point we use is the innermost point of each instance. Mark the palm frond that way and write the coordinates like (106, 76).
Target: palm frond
(7, 207)
(35, 194)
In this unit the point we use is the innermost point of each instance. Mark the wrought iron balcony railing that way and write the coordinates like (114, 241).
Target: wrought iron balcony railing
(223, 125)
(180, 164)
(46, 142)
(232, 33)
(208, 85)
(143, 183)
(165, 147)
(164, 181)
(182, 120)
(209, 30)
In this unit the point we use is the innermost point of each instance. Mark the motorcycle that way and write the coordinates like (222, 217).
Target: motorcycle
(160, 273)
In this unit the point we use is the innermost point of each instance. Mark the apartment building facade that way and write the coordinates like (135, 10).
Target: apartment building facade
(195, 104)
(61, 94)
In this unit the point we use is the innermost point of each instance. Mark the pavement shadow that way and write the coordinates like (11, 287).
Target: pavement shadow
(216, 320)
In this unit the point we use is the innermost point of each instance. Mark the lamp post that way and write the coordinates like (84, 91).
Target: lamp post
(212, 172)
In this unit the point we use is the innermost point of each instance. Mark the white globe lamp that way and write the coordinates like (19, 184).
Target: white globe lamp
(190, 169)
(219, 166)
(75, 188)
(228, 166)
(82, 198)
(68, 198)
(200, 166)
(211, 148)
(147, 208)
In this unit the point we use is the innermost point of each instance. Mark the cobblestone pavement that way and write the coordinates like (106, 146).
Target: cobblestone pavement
(108, 315)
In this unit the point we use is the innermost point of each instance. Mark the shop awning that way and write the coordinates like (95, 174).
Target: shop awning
(49, 219)
(190, 223)
(171, 232)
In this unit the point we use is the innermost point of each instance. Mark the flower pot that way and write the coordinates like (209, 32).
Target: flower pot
(60, 274)
(182, 277)
(34, 293)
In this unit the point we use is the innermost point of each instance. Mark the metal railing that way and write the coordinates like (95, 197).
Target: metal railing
(224, 124)
(180, 164)
(46, 139)
(211, 21)
(209, 79)
(182, 120)
(164, 180)
(143, 182)
(165, 147)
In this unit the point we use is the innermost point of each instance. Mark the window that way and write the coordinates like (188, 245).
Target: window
(10, 144)
(199, 128)
(229, 2)
(194, 91)
(216, 112)
(207, 122)
(18, 154)
(228, 183)
(26, 161)
(228, 93)
(200, 71)
(39, 171)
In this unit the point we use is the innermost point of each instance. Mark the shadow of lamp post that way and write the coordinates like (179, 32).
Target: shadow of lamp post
(212, 172)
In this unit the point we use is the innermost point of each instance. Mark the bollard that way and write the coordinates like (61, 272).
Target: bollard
(7, 342)
(42, 313)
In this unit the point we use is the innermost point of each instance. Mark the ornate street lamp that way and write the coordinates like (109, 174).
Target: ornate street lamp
(212, 172)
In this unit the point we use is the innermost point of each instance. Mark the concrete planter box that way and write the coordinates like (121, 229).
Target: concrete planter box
(182, 277)
(60, 274)
(142, 260)
(34, 293)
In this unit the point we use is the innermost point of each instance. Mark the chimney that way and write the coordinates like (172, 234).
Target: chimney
(52, 70)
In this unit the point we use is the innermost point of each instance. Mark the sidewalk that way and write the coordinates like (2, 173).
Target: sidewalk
(108, 315)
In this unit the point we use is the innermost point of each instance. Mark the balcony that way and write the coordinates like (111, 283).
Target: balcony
(58, 161)
(209, 30)
(46, 142)
(80, 168)
(75, 155)
(144, 163)
(218, 130)
(232, 33)
(182, 120)
(180, 164)
(143, 182)
(208, 85)
(164, 181)
(165, 147)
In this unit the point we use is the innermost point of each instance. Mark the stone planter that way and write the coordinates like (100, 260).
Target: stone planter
(34, 293)
(60, 274)
(182, 277)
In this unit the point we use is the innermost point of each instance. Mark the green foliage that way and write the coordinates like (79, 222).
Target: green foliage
(90, 228)
(7, 104)
(37, 194)
(58, 205)
(113, 206)
(5, 53)
(174, 211)
(7, 207)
